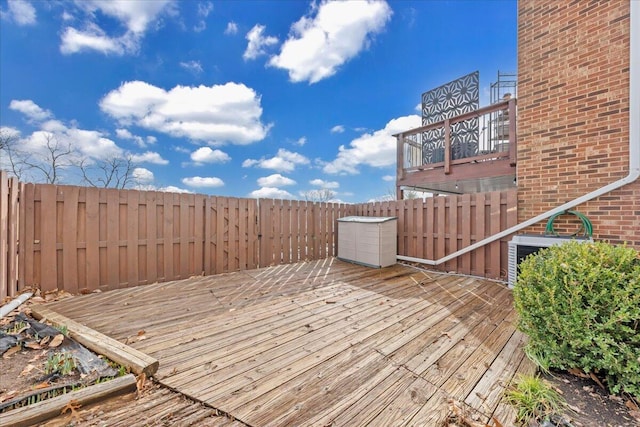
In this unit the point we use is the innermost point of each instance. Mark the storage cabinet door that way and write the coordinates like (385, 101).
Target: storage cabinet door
(368, 244)
(347, 240)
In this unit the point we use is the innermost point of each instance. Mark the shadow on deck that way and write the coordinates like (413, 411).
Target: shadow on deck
(323, 343)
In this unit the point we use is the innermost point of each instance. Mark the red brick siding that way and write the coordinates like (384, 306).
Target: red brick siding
(573, 112)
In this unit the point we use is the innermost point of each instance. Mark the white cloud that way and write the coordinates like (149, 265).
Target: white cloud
(206, 155)
(257, 42)
(139, 141)
(9, 132)
(149, 157)
(324, 184)
(91, 38)
(151, 139)
(167, 189)
(83, 143)
(30, 109)
(174, 189)
(418, 107)
(204, 9)
(232, 28)
(318, 45)
(53, 126)
(125, 134)
(193, 66)
(134, 16)
(143, 176)
(388, 178)
(182, 150)
(375, 149)
(91, 143)
(215, 114)
(337, 129)
(202, 182)
(275, 180)
(301, 141)
(284, 161)
(21, 12)
(271, 193)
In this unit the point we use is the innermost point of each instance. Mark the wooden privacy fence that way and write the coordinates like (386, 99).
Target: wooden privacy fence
(84, 238)
(438, 226)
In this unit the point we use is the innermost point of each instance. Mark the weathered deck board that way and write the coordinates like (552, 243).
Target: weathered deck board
(157, 406)
(322, 342)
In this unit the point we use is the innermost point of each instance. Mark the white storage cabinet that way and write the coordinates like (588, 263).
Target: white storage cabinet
(370, 241)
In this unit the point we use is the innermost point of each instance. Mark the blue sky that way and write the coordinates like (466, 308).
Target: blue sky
(239, 98)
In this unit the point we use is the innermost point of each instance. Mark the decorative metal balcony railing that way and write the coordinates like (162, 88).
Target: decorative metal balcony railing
(488, 133)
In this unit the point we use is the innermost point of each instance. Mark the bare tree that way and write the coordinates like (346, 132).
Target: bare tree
(9, 156)
(391, 194)
(116, 172)
(7, 139)
(55, 157)
(322, 195)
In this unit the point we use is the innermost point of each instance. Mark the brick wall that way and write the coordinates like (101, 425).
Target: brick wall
(573, 112)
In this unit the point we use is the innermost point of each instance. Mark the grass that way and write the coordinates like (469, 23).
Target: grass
(62, 363)
(17, 327)
(533, 398)
(63, 330)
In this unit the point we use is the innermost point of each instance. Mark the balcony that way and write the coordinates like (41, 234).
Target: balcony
(470, 153)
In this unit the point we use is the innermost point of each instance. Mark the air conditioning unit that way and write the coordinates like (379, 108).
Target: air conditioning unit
(522, 245)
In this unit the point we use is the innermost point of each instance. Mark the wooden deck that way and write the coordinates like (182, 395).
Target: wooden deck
(323, 343)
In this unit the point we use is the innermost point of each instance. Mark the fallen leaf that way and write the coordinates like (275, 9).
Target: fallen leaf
(13, 350)
(21, 330)
(575, 409)
(141, 382)
(578, 373)
(33, 345)
(45, 340)
(631, 405)
(27, 369)
(496, 422)
(597, 380)
(37, 357)
(73, 406)
(56, 341)
(141, 332)
(44, 384)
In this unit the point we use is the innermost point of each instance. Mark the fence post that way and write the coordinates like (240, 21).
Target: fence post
(9, 226)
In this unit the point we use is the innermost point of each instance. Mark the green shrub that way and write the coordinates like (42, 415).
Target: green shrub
(580, 305)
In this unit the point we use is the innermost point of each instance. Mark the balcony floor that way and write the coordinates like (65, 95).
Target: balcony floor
(323, 343)
(477, 177)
